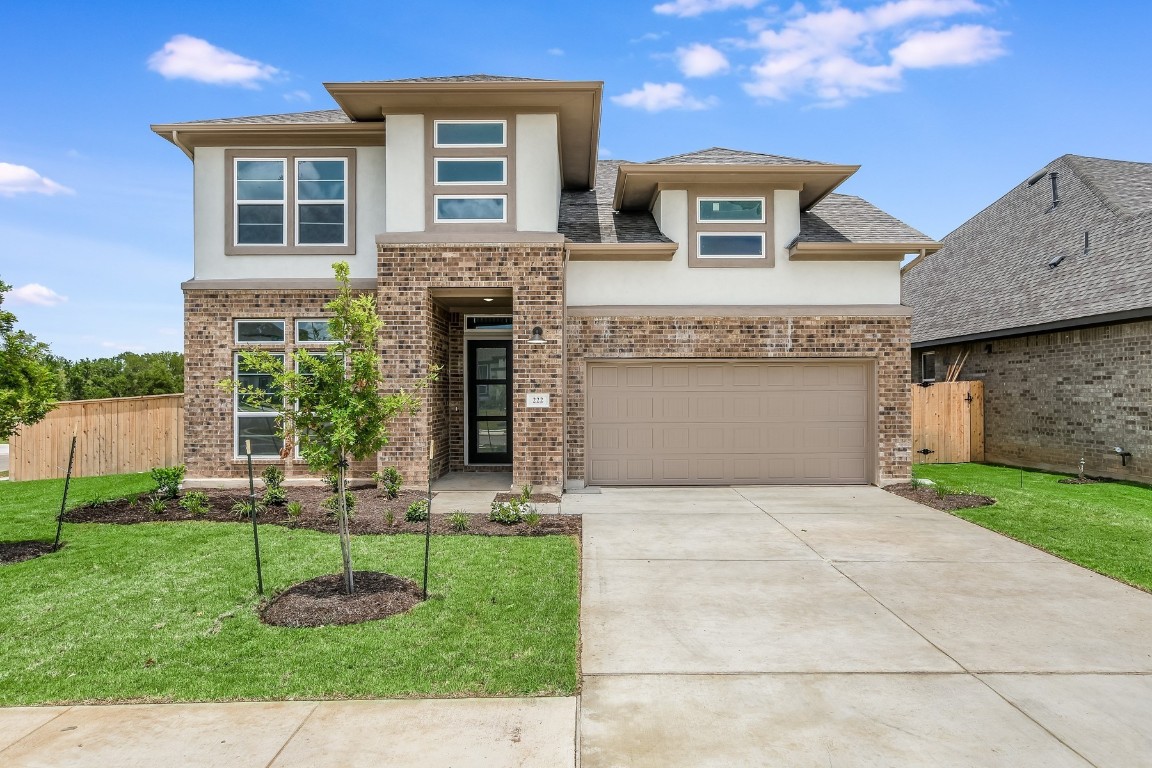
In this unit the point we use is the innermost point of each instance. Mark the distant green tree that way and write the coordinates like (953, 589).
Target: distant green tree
(28, 380)
(126, 375)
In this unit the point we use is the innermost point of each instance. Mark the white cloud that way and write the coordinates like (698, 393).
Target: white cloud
(700, 60)
(555, 51)
(191, 58)
(837, 54)
(656, 97)
(36, 294)
(299, 95)
(962, 45)
(21, 180)
(689, 8)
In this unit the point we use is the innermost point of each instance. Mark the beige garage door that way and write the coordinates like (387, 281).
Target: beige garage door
(728, 423)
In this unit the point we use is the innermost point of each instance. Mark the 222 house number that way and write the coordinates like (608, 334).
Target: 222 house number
(538, 399)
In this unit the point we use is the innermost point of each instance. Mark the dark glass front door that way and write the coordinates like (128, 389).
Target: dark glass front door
(489, 402)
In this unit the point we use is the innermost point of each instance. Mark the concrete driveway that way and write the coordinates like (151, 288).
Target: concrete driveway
(847, 627)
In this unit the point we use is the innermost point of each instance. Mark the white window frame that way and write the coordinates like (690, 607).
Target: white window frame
(436, 132)
(343, 202)
(311, 342)
(236, 329)
(763, 210)
(436, 209)
(237, 414)
(700, 252)
(503, 182)
(237, 203)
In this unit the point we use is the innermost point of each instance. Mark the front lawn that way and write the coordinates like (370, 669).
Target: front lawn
(1105, 526)
(166, 611)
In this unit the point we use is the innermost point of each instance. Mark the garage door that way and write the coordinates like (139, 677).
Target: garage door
(725, 423)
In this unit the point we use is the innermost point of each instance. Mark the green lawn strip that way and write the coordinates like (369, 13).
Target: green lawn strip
(1104, 526)
(165, 611)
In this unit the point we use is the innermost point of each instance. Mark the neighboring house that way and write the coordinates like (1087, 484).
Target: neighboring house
(1048, 291)
(717, 317)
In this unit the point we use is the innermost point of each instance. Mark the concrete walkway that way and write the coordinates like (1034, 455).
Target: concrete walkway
(727, 627)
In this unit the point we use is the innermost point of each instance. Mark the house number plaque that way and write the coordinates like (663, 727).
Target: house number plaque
(538, 399)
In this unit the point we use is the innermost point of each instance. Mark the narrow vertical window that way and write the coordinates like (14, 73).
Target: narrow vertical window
(321, 203)
(260, 202)
(256, 415)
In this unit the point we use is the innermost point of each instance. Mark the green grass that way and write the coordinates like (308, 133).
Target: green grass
(1106, 526)
(166, 612)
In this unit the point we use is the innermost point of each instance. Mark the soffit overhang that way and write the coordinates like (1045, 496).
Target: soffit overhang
(188, 136)
(577, 104)
(859, 251)
(638, 183)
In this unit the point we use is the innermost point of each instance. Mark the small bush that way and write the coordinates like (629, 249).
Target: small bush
(195, 503)
(168, 480)
(525, 493)
(332, 504)
(156, 505)
(389, 479)
(295, 509)
(275, 497)
(506, 512)
(458, 521)
(272, 476)
(389, 518)
(417, 511)
(532, 518)
(332, 482)
(242, 508)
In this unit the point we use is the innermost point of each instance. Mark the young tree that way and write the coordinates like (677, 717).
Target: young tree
(28, 380)
(332, 403)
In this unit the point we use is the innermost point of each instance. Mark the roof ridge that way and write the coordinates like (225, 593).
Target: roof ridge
(1086, 176)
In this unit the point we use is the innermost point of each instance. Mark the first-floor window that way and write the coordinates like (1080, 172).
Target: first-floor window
(256, 416)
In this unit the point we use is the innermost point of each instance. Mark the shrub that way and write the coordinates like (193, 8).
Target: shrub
(332, 482)
(417, 511)
(390, 480)
(532, 518)
(295, 509)
(168, 480)
(506, 512)
(458, 521)
(273, 477)
(525, 493)
(195, 503)
(242, 508)
(332, 504)
(389, 518)
(275, 497)
(156, 505)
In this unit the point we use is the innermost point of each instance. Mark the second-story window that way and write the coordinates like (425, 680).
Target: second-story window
(283, 201)
(729, 231)
(470, 172)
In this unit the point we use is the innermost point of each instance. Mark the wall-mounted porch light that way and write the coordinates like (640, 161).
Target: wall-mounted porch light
(537, 336)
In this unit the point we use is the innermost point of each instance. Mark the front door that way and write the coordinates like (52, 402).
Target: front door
(489, 401)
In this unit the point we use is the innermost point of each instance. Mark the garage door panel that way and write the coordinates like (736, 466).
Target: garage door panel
(732, 422)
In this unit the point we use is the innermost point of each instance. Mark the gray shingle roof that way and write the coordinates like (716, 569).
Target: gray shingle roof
(291, 118)
(993, 273)
(722, 156)
(464, 79)
(850, 219)
(587, 216)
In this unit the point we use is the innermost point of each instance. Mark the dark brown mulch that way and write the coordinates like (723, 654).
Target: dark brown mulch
(1077, 481)
(19, 551)
(536, 498)
(370, 515)
(321, 601)
(927, 495)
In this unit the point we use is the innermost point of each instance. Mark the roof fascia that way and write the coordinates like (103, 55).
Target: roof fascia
(621, 251)
(858, 251)
(188, 136)
(637, 183)
(1028, 330)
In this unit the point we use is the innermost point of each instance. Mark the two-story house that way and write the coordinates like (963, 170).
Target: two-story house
(717, 317)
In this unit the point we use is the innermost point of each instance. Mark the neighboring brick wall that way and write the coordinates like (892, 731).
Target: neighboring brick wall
(1054, 397)
(438, 391)
(535, 272)
(882, 339)
(209, 345)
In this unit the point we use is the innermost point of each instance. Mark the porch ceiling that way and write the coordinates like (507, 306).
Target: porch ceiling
(472, 299)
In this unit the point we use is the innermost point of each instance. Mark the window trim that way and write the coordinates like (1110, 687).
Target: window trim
(701, 199)
(236, 330)
(923, 358)
(291, 245)
(310, 342)
(343, 201)
(436, 133)
(237, 203)
(503, 182)
(237, 414)
(765, 228)
(711, 233)
(436, 209)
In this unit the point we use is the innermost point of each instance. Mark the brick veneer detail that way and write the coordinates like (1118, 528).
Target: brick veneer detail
(885, 340)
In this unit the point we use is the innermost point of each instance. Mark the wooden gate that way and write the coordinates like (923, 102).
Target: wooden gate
(948, 422)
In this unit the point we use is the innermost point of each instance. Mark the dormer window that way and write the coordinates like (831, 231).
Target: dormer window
(471, 133)
(471, 167)
(730, 230)
(730, 209)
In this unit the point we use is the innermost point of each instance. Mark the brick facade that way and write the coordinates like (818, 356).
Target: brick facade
(1051, 398)
(209, 348)
(414, 341)
(885, 340)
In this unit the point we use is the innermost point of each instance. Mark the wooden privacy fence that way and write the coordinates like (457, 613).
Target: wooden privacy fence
(948, 422)
(115, 435)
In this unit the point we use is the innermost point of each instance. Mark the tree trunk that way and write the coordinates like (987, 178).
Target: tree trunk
(345, 539)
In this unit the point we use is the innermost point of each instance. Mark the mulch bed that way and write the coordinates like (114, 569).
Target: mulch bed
(927, 495)
(536, 498)
(321, 601)
(19, 551)
(370, 515)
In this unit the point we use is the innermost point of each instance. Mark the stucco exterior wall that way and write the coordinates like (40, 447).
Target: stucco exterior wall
(537, 173)
(404, 211)
(1051, 398)
(787, 283)
(210, 179)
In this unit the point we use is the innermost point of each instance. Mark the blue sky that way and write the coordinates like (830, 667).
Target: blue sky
(945, 103)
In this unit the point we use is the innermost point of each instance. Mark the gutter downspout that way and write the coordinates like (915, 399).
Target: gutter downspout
(180, 144)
